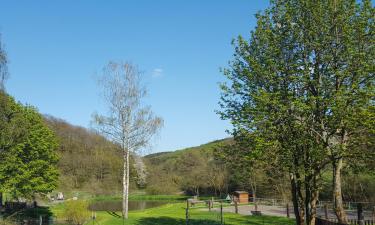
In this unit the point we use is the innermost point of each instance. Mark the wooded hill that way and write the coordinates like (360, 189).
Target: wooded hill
(202, 170)
(90, 163)
(191, 170)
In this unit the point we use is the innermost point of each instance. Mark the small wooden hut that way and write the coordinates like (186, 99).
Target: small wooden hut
(241, 196)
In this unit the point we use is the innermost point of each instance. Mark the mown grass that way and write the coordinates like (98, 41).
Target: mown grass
(174, 213)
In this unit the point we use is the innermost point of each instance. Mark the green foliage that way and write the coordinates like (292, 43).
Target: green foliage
(7, 222)
(302, 88)
(27, 151)
(88, 162)
(246, 173)
(193, 171)
(76, 212)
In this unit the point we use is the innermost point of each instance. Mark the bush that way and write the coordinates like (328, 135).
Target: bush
(7, 222)
(76, 212)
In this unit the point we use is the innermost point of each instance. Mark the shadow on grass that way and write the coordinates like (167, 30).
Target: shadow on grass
(31, 215)
(260, 220)
(174, 221)
(114, 214)
(30, 212)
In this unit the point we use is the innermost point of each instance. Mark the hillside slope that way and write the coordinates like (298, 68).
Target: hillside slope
(188, 170)
(88, 162)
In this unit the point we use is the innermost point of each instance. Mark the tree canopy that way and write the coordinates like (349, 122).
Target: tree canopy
(302, 88)
(28, 151)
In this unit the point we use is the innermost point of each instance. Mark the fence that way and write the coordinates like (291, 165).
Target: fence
(195, 217)
(320, 221)
(349, 205)
(268, 201)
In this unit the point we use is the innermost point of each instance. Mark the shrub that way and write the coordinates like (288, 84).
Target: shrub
(76, 212)
(7, 222)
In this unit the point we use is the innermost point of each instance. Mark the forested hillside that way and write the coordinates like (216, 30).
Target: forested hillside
(203, 170)
(88, 162)
(192, 170)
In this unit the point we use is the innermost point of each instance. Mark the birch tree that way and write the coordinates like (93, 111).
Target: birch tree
(128, 123)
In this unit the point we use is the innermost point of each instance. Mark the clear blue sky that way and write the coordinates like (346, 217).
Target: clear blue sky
(56, 47)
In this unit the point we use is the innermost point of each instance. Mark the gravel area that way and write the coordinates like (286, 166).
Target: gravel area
(281, 211)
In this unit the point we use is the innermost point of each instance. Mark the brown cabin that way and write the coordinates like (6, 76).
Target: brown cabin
(241, 196)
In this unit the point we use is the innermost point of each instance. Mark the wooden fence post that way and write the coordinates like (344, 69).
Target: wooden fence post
(326, 211)
(221, 214)
(287, 210)
(187, 212)
(360, 214)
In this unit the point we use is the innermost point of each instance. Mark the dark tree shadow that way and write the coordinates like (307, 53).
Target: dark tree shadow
(174, 221)
(29, 215)
(114, 214)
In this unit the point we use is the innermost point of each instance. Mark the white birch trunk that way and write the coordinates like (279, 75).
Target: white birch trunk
(125, 182)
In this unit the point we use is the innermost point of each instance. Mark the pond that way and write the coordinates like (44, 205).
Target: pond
(117, 205)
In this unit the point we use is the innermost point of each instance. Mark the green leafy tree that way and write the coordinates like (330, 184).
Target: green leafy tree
(301, 89)
(29, 162)
(11, 130)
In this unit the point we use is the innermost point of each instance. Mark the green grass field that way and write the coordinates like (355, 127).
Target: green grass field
(174, 213)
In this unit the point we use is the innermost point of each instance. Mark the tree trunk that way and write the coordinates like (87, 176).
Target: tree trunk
(314, 199)
(311, 198)
(1, 199)
(308, 196)
(125, 182)
(337, 194)
(299, 220)
(253, 190)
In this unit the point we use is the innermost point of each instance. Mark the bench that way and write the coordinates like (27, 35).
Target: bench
(256, 213)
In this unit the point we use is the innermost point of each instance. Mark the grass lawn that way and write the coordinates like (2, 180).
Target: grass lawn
(174, 213)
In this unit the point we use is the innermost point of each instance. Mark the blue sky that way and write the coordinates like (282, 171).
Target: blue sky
(56, 47)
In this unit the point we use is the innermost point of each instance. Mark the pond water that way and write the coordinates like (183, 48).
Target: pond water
(117, 205)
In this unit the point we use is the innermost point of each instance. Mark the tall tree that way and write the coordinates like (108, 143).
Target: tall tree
(128, 123)
(299, 86)
(11, 129)
(28, 151)
(344, 85)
